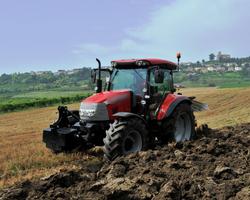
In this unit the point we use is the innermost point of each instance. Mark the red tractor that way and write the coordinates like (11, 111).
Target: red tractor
(136, 108)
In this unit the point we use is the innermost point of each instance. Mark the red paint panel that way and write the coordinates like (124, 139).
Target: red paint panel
(156, 61)
(104, 96)
(116, 101)
(166, 104)
(123, 105)
(152, 61)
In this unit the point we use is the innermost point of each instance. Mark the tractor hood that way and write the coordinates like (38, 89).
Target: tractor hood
(102, 106)
(109, 97)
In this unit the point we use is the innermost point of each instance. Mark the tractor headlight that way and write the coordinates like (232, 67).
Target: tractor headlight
(87, 112)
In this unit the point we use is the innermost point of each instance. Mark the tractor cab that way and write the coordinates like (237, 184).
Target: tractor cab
(149, 81)
(141, 75)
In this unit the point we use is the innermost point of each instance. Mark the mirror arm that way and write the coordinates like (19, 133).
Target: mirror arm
(173, 90)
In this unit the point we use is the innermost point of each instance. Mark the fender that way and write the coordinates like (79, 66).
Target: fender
(125, 115)
(169, 104)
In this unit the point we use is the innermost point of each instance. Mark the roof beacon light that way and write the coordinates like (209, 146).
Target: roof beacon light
(178, 56)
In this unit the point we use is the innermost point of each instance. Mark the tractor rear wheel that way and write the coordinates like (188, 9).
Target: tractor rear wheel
(124, 137)
(181, 125)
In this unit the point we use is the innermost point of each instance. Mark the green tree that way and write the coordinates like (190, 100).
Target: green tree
(211, 57)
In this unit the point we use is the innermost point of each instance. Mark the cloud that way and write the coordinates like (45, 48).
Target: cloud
(194, 27)
(197, 28)
(91, 48)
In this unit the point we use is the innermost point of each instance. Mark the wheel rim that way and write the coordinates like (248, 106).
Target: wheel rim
(183, 128)
(132, 142)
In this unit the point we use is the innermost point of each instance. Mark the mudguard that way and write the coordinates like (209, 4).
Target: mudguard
(169, 104)
(127, 115)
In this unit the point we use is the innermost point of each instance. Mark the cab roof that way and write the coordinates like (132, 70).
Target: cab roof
(133, 63)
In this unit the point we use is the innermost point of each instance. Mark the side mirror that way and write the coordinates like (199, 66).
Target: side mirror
(159, 76)
(93, 76)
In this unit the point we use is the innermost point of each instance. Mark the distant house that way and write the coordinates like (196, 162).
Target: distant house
(220, 69)
(42, 72)
(230, 64)
(197, 69)
(245, 64)
(211, 69)
(237, 69)
(230, 69)
(221, 56)
(204, 70)
(59, 72)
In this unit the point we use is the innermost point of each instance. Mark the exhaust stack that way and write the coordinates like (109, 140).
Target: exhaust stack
(99, 80)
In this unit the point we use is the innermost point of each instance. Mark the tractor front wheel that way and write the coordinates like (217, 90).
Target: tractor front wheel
(124, 137)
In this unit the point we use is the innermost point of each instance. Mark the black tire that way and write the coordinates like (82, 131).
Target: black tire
(180, 126)
(125, 136)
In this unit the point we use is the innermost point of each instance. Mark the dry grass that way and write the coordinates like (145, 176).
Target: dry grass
(226, 106)
(23, 155)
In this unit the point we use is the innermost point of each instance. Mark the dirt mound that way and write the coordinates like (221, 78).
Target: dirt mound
(216, 165)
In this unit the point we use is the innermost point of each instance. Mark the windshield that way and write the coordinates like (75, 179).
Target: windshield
(133, 79)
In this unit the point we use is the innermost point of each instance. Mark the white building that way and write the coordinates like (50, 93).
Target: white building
(211, 69)
(237, 69)
(230, 69)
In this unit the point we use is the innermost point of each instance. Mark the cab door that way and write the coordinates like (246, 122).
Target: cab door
(158, 91)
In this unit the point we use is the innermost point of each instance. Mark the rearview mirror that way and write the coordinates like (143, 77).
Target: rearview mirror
(93, 76)
(159, 76)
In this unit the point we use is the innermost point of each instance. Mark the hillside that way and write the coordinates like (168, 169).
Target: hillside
(223, 73)
(23, 155)
(42, 81)
(234, 72)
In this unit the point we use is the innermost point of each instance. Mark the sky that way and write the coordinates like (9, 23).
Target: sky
(61, 34)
